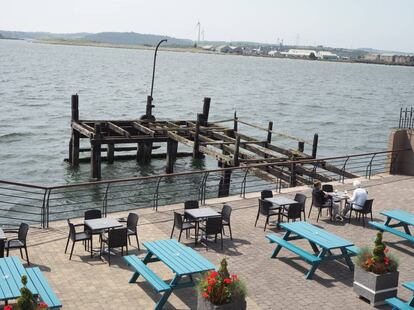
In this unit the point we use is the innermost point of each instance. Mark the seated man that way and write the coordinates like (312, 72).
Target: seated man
(358, 199)
(323, 199)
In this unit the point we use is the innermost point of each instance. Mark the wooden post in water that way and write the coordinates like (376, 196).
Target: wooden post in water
(144, 152)
(196, 152)
(96, 153)
(236, 161)
(206, 111)
(301, 146)
(235, 124)
(110, 153)
(224, 184)
(269, 132)
(172, 147)
(74, 140)
(293, 182)
(314, 145)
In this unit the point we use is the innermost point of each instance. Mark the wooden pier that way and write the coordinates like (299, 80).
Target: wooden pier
(227, 145)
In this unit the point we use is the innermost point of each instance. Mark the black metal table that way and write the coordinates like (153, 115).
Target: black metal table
(201, 214)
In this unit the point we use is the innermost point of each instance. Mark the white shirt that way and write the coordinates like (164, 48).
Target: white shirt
(359, 197)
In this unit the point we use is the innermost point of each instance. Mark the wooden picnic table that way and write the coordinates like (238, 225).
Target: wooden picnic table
(322, 242)
(397, 303)
(182, 260)
(402, 218)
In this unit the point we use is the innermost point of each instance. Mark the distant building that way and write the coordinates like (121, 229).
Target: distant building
(390, 59)
(387, 58)
(273, 53)
(208, 47)
(298, 53)
(326, 55)
(372, 57)
(230, 49)
(404, 59)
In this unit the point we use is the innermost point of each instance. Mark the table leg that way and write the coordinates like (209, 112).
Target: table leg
(314, 247)
(387, 221)
(135, 275)
(406, 229)
(347, 259)
(315, 265)
(279, 247)
(167, 294)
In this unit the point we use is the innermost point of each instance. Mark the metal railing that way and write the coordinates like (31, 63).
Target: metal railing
(406, 118)
(39, 205)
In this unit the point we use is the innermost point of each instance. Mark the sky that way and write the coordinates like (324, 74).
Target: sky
(387, 25)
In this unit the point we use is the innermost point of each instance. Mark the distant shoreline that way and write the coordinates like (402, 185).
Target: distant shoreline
(191, 49)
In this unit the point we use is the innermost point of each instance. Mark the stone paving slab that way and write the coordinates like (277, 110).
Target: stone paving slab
(89, 283)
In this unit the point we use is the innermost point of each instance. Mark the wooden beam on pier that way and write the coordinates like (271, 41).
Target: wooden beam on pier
(83, 130)
(143, 129)
(118, 129)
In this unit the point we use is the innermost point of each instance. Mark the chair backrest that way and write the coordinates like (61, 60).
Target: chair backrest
(23, 230)
(72, 231)
(316, 200)
(214, 225)
(368, 205)
(117, 237)
(301, 198)
(327, 188)
(92, 214)
(132, 221)
(264, 207)
(266, 194)
(294, 211)
(226, 212)
(178, 220)
(191, 204)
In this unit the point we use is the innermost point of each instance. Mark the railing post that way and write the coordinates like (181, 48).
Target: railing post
(399, 123)
(243, 185)
(105, 201)
(155, 202)
(343, 170)
(47, 208)
(369, 167)
(293, 175)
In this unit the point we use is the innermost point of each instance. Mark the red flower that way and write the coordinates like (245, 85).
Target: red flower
(386, 260)
(205, 295)
(209, 288)
(8, 307)
(227, 281)
(386, 250)
(43, 305)
(234, 277)
(214, 274)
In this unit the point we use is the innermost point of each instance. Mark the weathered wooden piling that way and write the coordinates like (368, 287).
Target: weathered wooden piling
(196, 148)
(96, 153)
(144, 152)
(206, 111)
(269, 132)
(110, 153)
(314, 145)
(301, 146)
(172, 147)
(224, 183)
(75, 137)
(235, 125)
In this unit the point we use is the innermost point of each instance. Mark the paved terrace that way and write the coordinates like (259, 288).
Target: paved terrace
(86, 283)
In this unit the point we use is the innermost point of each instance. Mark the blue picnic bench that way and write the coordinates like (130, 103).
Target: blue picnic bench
(397, 303)
(182, 260)
(403, 219)
(11, 272)
(321, 241)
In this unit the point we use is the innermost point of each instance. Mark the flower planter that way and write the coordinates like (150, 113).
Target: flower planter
(375, 287)
(236, 304)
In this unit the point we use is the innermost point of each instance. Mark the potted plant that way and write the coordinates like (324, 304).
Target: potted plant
(376, 275)
(26, 301)
(220, 290)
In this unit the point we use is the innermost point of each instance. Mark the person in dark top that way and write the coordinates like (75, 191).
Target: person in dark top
(323, 199)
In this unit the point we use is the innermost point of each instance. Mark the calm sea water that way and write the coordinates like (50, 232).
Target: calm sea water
(351, 106)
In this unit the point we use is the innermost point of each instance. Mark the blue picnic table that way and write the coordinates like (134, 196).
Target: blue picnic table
(11, 272)
(397, 303)
(400, 218)
(182, 260)
(322, 242)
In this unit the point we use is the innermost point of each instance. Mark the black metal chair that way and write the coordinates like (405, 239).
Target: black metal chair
(132, 225)
(91, 215)
(366, 209)
(19, 242)
(319, 206)
(328, 188)
(190, 204)
(117, 238)
(213, 226)
(267, 193)
(301, 198)
(266, 209)
(77, 236)
(226, 213)
(293, 212)
(181, 225)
